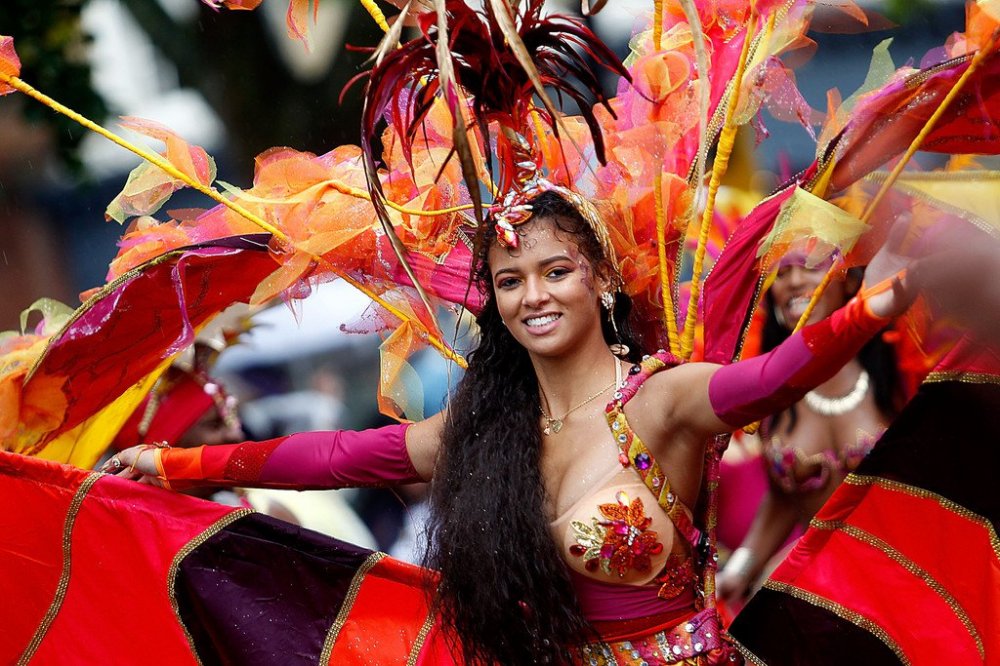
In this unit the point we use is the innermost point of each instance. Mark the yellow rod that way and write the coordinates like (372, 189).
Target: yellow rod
(669, 312)
(376, 13)
(719, 166)
(900, 165)
(657, 24)
(152, 158)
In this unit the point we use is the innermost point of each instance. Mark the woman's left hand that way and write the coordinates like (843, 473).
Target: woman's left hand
(135, 463)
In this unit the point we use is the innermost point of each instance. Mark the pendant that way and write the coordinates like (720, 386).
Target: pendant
(552, 426)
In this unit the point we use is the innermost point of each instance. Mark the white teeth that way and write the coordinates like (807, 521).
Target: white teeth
(798, 304)
(541, 321)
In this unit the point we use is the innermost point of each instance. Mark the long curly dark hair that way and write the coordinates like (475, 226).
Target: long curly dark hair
(504, 588)
(877, 357)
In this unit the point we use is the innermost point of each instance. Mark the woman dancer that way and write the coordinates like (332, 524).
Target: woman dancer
(544, 528)
(812, 445)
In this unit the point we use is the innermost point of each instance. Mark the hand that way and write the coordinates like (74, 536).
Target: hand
(135, 463)
(887, 287)
(731, 587)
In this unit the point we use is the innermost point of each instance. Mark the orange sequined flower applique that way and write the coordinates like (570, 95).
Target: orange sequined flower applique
(677, 576)
(620, 542)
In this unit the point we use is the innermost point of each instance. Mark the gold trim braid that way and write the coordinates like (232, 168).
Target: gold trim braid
(962, 377)
(418, 644)
(912, 567)
(67, 546)
(923, 493)
(748, 654)
(842, 612)
(186, 550)
(345, 608)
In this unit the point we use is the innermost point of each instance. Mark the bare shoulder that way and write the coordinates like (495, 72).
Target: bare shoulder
(423, 440)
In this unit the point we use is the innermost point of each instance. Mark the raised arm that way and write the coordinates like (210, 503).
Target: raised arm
(392, 455)
(710, 399)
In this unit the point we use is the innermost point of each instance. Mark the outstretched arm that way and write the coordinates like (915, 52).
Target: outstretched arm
(710, 399)
(392, 455)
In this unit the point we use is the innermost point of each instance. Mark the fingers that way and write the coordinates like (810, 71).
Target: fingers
(122, 464)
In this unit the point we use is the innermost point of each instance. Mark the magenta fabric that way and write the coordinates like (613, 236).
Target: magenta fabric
(752, 389)
(607, 602)
(450, 279)
(742, 485)
(342, 458)
(729, 291)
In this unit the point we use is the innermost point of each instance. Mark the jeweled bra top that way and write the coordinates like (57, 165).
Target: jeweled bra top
(625, 533)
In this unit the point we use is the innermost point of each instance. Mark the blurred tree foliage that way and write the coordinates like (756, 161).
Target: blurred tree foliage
(904, 11)
(52, 47)
(233, 60)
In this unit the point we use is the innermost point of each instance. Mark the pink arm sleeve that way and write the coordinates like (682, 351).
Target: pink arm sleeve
(334, 459)
(744, 392)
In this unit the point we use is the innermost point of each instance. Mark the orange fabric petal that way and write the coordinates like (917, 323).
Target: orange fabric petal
(10, 64)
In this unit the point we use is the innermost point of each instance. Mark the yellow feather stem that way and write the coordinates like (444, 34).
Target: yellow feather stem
(152, 158)
(434, 341)
(901, 164)
(725, 148)
(669, 312)
(657, 24)
(376, 14)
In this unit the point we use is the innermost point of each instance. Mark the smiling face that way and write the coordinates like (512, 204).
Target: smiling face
(793, 286)
(547, 290)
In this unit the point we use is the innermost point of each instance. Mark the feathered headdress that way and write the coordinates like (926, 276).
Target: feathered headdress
(489, 66)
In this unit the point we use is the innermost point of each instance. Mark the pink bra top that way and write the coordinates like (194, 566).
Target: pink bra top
(795, 472)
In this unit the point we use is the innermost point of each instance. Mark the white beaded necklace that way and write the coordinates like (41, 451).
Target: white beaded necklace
(845, 403)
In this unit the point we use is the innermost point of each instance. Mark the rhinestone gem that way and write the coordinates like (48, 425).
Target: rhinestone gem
(642, 461)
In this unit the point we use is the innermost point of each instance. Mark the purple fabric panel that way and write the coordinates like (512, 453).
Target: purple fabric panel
(262, 592)
(342, 458)
(749, 390)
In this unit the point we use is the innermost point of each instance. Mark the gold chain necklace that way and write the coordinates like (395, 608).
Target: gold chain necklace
(553, 425)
